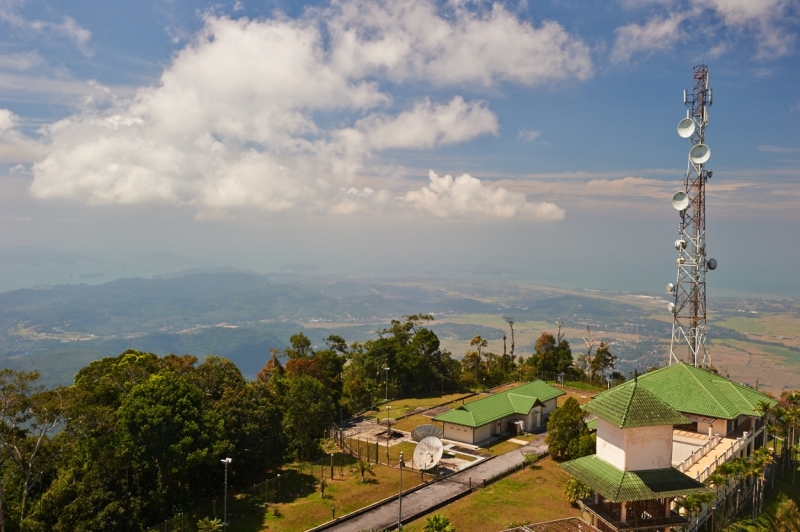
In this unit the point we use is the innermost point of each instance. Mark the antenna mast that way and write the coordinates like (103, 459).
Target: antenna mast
(689, 306)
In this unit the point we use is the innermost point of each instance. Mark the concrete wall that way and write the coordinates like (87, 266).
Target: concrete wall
(484, 432)
(610, 444)
(458, 432)
(549, 406)
(634, 449)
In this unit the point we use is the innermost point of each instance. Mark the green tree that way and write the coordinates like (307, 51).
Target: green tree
(602, 360)
(253, 428)
(307, 413)
(28, 416)
(564, 427)
(574, 490)
(438, 523)
(167, 440)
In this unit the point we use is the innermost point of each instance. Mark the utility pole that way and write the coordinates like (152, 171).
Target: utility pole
(226, 461)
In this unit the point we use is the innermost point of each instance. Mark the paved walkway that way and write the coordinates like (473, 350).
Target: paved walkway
(439, 493)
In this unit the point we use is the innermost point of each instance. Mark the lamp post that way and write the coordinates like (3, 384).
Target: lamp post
(225, 461)
(400, 496)
(387, 384)
(388, 427)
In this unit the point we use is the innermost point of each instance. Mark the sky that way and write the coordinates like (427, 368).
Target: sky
(395, 138)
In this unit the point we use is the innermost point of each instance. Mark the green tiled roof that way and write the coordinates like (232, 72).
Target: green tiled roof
(617, 486)
(630, 405)
(592, 424)
(696, 391)
(517, 400)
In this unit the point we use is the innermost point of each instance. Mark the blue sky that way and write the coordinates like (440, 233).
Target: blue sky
(257, 134)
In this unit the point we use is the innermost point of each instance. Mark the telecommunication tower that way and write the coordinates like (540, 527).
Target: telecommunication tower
(689, 291)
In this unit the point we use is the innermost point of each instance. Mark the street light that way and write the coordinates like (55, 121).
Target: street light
(226, 461)
(400, 496)
(388, 427)
(387, 384)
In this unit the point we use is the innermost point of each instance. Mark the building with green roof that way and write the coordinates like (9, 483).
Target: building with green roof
(479, 420)
(631, 474)
(713, 404)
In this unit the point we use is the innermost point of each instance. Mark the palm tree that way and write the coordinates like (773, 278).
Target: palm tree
(364, 467)
(765, 408)
(438, 523)
(209, 525)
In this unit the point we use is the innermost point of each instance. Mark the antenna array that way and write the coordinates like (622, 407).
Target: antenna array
(689, 305)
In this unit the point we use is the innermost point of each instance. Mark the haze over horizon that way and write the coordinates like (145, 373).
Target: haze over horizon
(137, 139)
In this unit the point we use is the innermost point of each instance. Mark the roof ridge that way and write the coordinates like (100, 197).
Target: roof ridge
(707, 391)
(630, 402)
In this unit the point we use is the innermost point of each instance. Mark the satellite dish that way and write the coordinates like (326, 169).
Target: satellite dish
(680, 244)
(680, 201)
(686, 128)
(424, 431)
(670, 288)
(712, 264)
(671, 307)
(428, 452)
(699, 153)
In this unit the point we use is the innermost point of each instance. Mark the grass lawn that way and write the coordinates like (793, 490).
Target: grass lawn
(401, 407)
(528, 496)
(411, 422)
(346, 494)
(501, 447)
(526, 437)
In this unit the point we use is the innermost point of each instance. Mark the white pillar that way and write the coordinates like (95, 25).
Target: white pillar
(623, 512)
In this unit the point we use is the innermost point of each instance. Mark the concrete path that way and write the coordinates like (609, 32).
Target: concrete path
(439, 493)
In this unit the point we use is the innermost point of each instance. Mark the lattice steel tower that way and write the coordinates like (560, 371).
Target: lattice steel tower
(689, 291)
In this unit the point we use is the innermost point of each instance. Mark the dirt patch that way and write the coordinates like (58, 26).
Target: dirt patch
(436, 410)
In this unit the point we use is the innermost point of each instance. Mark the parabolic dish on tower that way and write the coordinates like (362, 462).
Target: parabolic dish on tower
(686, 128)
(428, 452)
(699, 153)
(423, 431)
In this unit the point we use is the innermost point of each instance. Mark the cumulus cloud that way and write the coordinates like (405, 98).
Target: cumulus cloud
(14, 146)
(764, 17)
(658, 33)
(414, 39)
(427, 125)
(465, 196)
(241, 117)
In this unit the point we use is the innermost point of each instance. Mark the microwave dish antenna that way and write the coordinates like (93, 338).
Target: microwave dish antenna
(423, 431)
(428, 452)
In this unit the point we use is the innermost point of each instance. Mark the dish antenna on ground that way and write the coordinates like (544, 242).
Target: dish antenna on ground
(428, 452)
(423, 431)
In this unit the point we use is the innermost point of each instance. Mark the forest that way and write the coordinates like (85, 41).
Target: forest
(137, 437)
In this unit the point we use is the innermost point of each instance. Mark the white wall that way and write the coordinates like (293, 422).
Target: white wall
(457, 432)
(634, 449)
(484, 432)
(549, 406)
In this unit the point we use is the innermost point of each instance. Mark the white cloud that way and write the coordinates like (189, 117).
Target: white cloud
(14, 146)
(528, 134)
(235, 120)
(427, 125)
(658, 33)
(765, 17)
(776, 149)
(415, 39)
(67, 27)
(466, 197)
